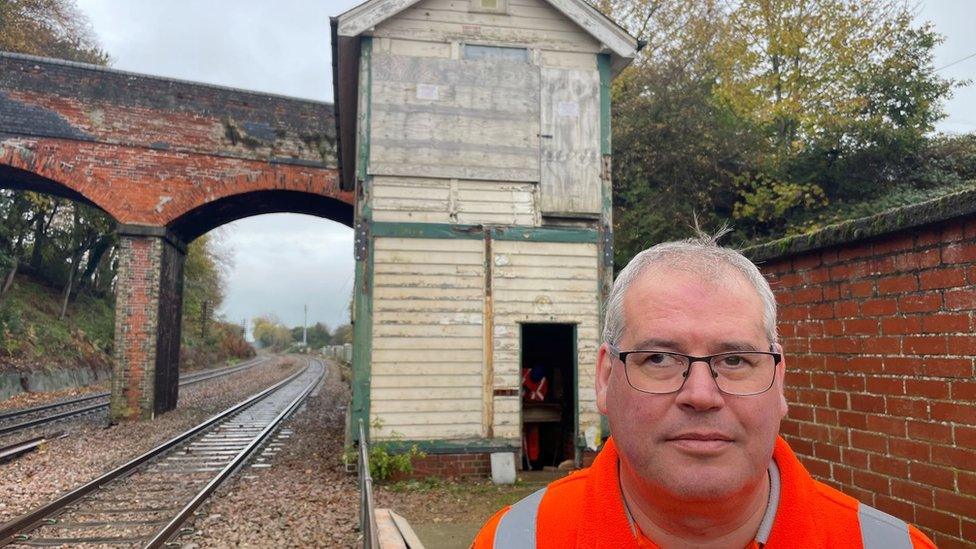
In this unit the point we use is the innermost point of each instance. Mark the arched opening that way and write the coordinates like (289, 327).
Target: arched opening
(281, 258)
(281, 264)
(22, 180)
(58, 260)
(200, 308)
(211, 215)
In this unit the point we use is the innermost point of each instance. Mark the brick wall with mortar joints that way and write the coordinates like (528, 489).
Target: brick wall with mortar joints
(450, 466)
(136, 312)
(53, 98)
(148, 150)
(880, 346)
(140, 186)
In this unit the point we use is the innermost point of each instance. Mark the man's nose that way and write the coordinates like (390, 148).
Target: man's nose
(700, 391)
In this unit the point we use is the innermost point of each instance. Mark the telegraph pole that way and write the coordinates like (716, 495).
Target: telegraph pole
(305, 328)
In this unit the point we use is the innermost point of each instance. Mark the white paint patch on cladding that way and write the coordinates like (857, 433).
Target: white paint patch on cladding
(464, 119)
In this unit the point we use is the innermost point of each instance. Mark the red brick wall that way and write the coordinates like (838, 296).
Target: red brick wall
(149, 150)
(451, 466)
(880, 345)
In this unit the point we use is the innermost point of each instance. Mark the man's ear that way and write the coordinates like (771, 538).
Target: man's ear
(781, 379)
(604, 362)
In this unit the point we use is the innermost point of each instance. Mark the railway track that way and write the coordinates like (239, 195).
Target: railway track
(145, 502)
(26, 418)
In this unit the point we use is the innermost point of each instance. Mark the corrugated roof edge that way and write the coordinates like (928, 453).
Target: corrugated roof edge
(944, 208)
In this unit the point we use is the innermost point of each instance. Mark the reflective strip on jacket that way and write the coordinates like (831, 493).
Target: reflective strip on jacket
(585, 510)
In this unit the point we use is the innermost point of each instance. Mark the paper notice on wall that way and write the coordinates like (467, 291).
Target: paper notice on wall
(430, 92)
(567, 109)
(592, 437)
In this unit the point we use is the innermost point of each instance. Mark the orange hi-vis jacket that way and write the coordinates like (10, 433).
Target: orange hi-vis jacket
(586, 510)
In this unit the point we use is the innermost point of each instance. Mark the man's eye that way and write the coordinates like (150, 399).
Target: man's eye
(657, 358)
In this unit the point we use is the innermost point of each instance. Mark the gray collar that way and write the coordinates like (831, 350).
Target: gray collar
(765, 527)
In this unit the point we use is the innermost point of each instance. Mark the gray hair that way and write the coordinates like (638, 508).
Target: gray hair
(700, 255)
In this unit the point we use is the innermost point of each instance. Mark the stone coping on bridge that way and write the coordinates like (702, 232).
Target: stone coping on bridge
(944, 208)
(121, 72)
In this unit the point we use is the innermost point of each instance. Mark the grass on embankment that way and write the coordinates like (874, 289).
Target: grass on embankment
(32, 336)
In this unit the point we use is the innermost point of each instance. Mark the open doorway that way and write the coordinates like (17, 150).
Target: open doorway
(548, 369)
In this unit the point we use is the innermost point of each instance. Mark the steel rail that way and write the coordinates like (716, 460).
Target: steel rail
(32, 518)
(13, 450)
(50, 418)
(85, 409)
(174, 525)
(190, 378)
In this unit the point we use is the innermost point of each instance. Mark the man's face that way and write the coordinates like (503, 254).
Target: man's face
(677, 311)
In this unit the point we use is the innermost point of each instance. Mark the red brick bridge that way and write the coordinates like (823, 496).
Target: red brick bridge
(168, 160)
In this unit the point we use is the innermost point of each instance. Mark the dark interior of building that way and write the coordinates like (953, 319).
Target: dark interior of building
(548, 369)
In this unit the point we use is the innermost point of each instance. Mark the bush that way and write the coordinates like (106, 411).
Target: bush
(384, 462)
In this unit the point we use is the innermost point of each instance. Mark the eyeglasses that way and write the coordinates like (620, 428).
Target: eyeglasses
(740, 373)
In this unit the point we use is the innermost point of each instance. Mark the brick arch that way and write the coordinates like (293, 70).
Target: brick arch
(31, 172)
(168, 160)
(213, 214)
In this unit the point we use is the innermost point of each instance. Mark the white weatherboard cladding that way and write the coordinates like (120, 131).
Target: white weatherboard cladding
(529, 23)
(428, 338)
(543, 282)
(454, 118)
(571, 160)
(423, 200)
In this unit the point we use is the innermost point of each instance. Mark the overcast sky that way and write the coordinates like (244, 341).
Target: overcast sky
(281, 262)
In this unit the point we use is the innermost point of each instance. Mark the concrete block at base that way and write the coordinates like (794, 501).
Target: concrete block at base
(503, 467)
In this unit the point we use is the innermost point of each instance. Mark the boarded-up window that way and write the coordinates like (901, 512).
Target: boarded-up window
(464, 119)
(474, 51)
(570, 184)
(489, 6)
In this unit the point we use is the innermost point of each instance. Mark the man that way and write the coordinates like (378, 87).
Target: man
(690, 377)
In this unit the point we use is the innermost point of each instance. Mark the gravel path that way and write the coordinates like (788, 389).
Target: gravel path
(91, 448)
(305, 499)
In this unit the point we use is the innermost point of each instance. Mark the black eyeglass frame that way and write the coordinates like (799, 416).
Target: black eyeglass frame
(622, 356)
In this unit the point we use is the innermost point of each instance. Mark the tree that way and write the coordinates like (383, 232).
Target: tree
(765, 110)
(342, 334)
(49, 28)
(204, 283)
(319, 335)
(676, 149)
(270, 333)
(52, 28)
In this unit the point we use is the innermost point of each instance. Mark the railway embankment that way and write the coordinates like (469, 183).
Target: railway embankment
(40, 351)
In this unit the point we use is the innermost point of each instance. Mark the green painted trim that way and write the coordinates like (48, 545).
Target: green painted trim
(428, 230)
(546, 234)
(457, 446)
(476, 232)
(603, 64)
(366, 64)
(362, 344)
